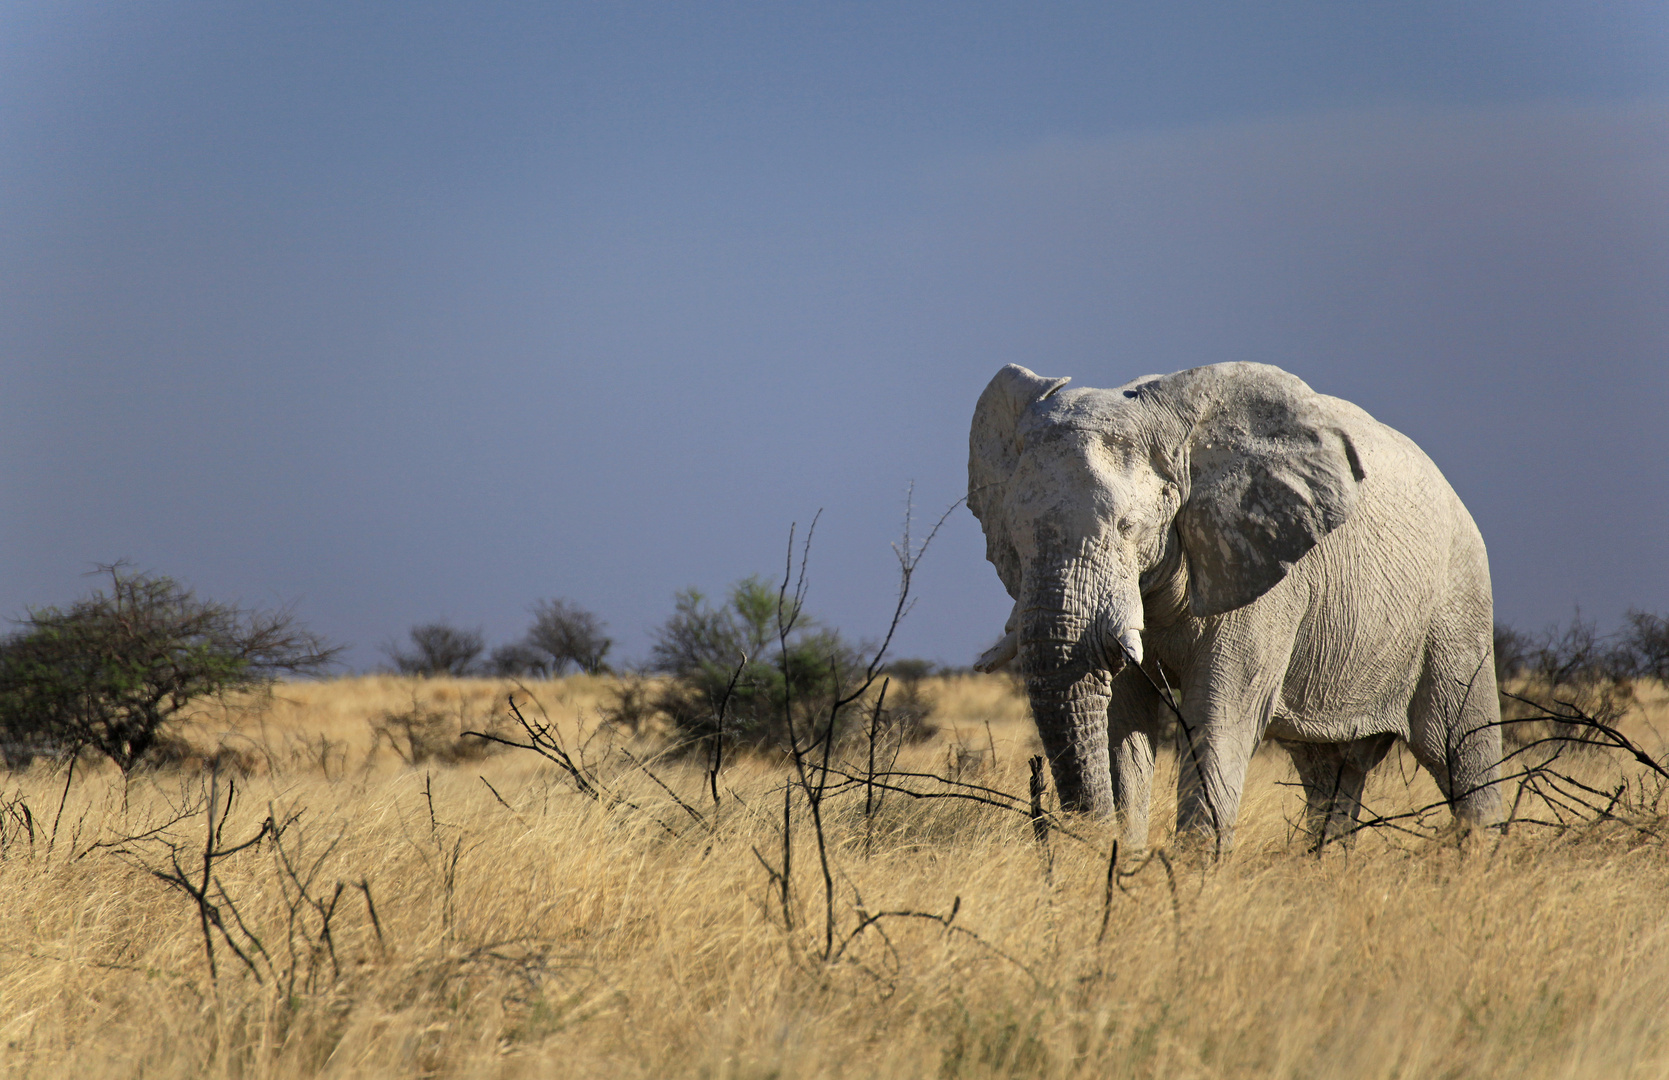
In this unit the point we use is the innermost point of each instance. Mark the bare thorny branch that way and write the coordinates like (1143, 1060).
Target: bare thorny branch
(813, 776)
(195, 874)
(544, 739)
(310, 907)
(1570, 801)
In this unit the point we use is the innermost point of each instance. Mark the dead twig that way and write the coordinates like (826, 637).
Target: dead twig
(1107, 893)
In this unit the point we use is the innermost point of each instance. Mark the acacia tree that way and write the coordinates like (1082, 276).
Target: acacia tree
(114, 670)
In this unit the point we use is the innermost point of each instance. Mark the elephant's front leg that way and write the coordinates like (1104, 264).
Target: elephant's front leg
(1132, 728)
(1213, 755)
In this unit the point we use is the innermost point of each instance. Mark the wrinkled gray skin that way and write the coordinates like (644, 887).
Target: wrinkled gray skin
(1294, 568)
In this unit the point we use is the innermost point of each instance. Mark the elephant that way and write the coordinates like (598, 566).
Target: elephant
(1294, 569)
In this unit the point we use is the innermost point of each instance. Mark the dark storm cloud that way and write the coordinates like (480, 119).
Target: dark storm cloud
(440, 310)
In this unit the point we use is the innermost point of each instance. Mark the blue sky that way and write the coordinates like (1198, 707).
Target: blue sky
(402, 312)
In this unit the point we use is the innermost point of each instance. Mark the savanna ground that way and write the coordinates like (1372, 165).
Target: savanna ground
(523, 927)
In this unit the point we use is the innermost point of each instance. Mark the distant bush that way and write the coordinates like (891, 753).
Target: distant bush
(908, 708)
(518, 659)
(438, 648)
(563, 635)
(1512, 653)
(425, 733)
(568, 634)
(911, 669)
(1646, 644)
(632, 702)
(1577, 671)
(113, 672)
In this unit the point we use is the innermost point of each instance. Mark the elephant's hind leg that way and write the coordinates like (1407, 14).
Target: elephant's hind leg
(1334, 776)
(1453, 722)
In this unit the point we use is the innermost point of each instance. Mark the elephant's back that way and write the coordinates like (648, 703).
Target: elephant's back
(1377, 440)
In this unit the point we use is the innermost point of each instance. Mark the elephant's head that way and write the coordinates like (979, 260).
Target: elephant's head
(1206, 485)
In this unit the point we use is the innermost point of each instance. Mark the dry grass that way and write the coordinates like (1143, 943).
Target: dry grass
(557, 936)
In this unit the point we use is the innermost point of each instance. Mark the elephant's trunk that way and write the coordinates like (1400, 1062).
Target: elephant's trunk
(1071, 644)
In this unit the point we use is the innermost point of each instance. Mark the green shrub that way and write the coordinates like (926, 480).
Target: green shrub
(750, 671)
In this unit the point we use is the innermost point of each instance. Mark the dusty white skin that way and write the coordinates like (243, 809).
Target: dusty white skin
(1296, 569)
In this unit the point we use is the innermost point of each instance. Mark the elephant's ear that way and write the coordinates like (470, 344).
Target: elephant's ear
(1270, 473)
(993, 453)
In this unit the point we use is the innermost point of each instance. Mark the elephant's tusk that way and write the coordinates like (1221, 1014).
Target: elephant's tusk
(1000, 653)
(1131, 641)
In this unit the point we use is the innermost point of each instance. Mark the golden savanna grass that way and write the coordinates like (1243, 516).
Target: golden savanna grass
(524, 929)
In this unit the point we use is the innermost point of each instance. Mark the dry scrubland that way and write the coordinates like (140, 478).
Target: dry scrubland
(553, 935)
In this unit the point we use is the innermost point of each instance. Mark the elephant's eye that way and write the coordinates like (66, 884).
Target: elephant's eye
(1126, 526)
